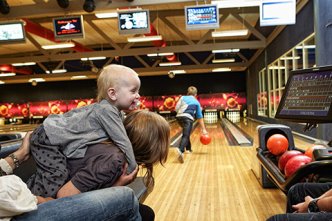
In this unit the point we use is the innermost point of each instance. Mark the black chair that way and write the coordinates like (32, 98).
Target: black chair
(11, 136)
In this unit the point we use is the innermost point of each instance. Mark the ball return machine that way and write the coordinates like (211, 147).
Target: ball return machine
(307, 98)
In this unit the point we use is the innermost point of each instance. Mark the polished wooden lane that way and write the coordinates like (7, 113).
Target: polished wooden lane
(216, 182)
(8, 128)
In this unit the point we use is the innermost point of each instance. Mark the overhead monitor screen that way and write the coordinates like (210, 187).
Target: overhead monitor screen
(134, 22)
(307, 96)
(277, 12)
(68, 27)
(202, 17)
(12, 32)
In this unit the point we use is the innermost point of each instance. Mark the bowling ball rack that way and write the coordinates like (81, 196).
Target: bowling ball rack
(316, 171)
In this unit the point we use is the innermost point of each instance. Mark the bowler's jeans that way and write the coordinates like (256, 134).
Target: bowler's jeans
(187, 125)
(296, 194)
(110, 204)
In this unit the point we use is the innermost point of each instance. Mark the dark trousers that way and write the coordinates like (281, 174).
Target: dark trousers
(187, 125)
(146, 212)
(296, 194)
(51, 173)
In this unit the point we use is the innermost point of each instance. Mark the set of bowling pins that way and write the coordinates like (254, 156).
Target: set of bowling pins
(233, 116)
(211, 117)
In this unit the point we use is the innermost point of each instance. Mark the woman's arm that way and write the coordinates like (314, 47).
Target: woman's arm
(103, 165)
(67, 190)
(22, 154)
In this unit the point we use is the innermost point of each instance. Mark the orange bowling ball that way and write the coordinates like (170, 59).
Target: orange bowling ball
(205, 139)
(277, 144)
(310, 150)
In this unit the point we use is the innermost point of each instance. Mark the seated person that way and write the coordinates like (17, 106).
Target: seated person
(111, 204)
(307, 201)
(104, 167)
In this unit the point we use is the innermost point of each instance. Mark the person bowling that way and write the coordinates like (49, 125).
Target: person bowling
(188, 109)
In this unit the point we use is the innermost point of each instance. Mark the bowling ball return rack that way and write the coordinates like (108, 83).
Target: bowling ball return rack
(316, 171)
(9, 143)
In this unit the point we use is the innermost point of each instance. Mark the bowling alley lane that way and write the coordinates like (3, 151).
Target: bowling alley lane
(7, 128)
(250, 127)
(215, 182)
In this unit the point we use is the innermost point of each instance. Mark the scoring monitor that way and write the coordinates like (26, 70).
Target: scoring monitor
(308, 96)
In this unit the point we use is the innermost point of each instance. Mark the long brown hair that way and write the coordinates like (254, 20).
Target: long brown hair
(149, 134)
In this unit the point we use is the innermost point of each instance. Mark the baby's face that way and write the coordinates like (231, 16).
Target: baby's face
(127, 94)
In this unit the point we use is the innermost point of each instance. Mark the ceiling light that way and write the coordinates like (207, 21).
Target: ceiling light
(4, 7)
(24, 64)
(89, 5)
(236, 3)
(77, 77)
(7, 74)
(171, 74)
(93, 58)
(226, 50)
(107, 15)
(161, 54)
(221, 69)
(169, 64)
(36, 79)
(225, 60)
(145, 38)
(290, 58)
(230, 33)
(56, 71)
(56, 46)
(2, 82)
(178, 71)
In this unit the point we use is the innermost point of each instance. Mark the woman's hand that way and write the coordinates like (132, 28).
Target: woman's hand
(125, 178)
(23, 153)
(41, 199)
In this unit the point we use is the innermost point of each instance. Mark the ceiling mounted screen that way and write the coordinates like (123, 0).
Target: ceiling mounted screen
(134, 22)
(12, 32)
(68, 27)
(202, 17)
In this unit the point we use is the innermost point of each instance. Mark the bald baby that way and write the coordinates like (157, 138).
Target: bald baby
(113, 77)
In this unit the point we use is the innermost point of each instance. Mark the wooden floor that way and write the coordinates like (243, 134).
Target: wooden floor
(216, 182)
